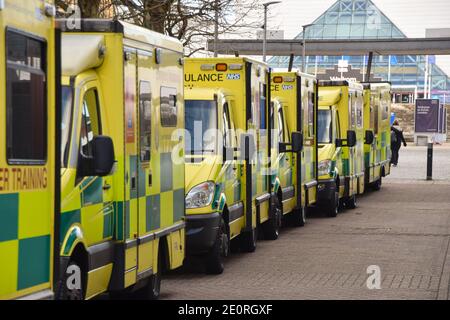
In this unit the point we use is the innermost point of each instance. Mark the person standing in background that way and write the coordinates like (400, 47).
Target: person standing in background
(396, 141)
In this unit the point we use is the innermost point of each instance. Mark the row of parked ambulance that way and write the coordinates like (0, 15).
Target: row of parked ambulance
(121, 159)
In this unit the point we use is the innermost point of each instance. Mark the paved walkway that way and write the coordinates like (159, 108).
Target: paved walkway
(404, 229)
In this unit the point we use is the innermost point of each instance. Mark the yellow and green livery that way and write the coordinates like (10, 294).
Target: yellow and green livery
(230, 189)
(122, 174)
(341, 144)
(294, 97)
(28, 192)
(377, 145)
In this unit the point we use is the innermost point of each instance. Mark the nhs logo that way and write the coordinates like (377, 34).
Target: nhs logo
(233, 76)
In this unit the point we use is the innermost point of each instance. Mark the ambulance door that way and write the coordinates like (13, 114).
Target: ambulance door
(131, 168)
(233, 183)
(285, 159)
(148, 206)
(337, 135)
(96, 192)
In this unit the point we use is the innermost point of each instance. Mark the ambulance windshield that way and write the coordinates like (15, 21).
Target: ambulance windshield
(201, 124)
(66, 112)
(324, 130)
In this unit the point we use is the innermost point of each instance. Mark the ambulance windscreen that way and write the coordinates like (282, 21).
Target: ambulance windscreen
(201, 126)
(66, 123)
(324, 129)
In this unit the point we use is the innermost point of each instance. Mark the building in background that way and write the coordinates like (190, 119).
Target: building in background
(412, 76)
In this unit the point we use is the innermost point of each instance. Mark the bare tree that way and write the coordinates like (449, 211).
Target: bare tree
(190, 21)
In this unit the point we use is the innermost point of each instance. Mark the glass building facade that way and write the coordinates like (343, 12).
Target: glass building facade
(361, 19)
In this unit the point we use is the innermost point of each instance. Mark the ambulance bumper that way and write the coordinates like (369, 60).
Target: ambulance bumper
(201, 233)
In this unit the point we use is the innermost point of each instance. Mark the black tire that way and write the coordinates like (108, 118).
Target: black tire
(153, 288)
(63, 292)
(298, 217)
(351, 202)
(214, 263)
(332, 209)
(248, 240)
(377, 184)
(271, 228)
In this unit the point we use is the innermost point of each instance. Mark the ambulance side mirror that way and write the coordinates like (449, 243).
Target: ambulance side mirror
(103, 156)
(297, 141)
(351, 138)
(248, 148)
(369, 137)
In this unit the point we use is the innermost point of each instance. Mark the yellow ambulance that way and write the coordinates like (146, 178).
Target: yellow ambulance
(122, 220)
(294, 97)
(341, 145)
(28, 196)
(377, 144)
(228, 177)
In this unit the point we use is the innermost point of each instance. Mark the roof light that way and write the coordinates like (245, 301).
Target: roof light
(235, 66)
(207, 67)
(221, 67)
(289, 79)
(278, 79)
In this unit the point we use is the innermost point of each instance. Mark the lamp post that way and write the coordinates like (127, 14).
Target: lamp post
(304, 46)
(266, 5)
(216, 26)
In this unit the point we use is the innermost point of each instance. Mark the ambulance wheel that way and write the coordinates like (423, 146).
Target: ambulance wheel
(271, 228)
(248, 240)
(215, 259)
(351, 202)
(64, 293)
(153, 288)
(332, 209)
(298, 217)
(377, 184)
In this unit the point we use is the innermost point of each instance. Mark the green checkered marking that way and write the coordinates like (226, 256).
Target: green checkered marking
(178, 205)
(166, 172)
(9, 216)
(153, 212)
(67, 220)
(346, 167)
(119, 217)
(34, 262)
(93, 194)
(108, 216)
(367, 159)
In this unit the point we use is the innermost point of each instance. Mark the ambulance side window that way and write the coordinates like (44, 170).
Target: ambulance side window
(281, 136)
(359, 111)
(227, 138)
(90, 122)
(168, 107)
(145, 119)
(338, 126)
(311, 99)
(262, 106)
(26, 99)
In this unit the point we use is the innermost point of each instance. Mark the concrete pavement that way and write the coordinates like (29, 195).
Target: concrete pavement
(404, 229)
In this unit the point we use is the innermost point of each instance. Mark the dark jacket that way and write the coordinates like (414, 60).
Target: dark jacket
(399, 133)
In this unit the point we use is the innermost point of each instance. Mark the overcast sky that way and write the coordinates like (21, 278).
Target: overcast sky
(411, 16)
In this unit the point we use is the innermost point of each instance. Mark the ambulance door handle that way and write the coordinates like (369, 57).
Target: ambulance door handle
(106, 186)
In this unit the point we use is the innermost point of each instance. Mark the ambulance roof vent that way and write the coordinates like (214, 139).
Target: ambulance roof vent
(81, 53)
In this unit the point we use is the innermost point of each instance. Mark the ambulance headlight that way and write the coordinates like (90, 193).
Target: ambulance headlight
(324, 167)
(200, 196)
